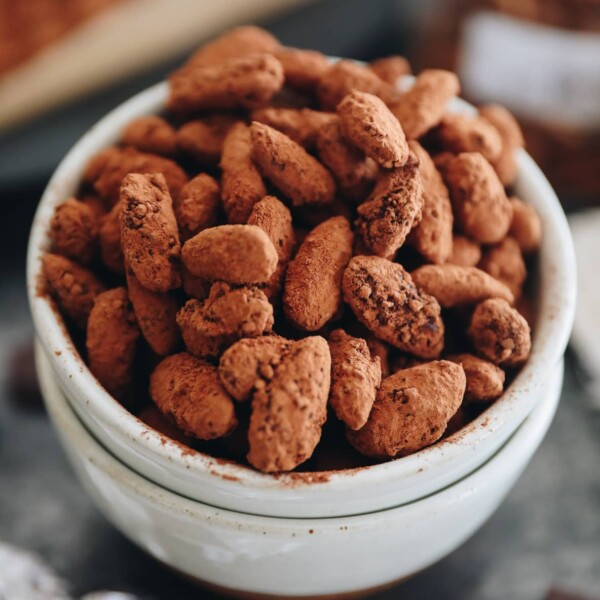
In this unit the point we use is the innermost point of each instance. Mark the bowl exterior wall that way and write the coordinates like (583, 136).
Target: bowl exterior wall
(292, 556)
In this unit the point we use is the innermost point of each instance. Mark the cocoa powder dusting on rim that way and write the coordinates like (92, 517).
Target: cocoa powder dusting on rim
(224, 476)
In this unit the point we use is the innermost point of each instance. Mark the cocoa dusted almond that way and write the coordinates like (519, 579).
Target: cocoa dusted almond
(250, 362)
(355, 377)
(106, 175)
(432, 235)
(112, 335)
(72, 286)
(412, 410)
(149, 233)
(384, 298)
(485, 381)
(391, 211)
(289, 410)
(346, 76)
(499, 333)
(422, 107)
(246, 82)
(368, 124)
(298, 175)
(482, 210)
(241, 183)
(313, 285)
(187, 390)
(237, 254)
(210, 325)
(458, 286)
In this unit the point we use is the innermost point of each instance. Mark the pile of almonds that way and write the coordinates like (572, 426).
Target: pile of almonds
(294, 241)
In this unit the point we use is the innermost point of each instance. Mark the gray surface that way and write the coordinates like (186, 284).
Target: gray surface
(546, 534)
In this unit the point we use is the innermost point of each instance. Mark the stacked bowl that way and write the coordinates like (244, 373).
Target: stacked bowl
(297, 534)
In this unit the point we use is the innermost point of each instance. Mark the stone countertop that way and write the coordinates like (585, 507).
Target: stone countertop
(545, 535)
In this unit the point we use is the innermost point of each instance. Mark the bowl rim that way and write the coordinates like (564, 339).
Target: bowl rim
(558, 283)
(534, 427)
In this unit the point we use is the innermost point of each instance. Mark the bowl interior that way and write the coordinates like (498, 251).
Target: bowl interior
(555, 309)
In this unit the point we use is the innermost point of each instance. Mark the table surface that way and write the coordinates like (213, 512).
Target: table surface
(545, 535)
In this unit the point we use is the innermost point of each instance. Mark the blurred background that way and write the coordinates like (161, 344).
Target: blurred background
(65, 63)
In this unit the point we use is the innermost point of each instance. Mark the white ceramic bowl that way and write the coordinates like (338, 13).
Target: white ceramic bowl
(235, 487)
(299, 557)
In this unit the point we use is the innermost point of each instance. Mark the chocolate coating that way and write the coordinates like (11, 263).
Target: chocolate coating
(499, 333)
(187, 390)
(289, 411)
(412, 410)
(355, 377)
(384, 298)
(313, 285)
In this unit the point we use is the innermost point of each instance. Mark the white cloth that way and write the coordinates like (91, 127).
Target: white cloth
(585, 227)
(24, 576)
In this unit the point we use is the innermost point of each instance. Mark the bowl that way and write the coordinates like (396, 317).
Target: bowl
(237, 552)
(235, 487)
